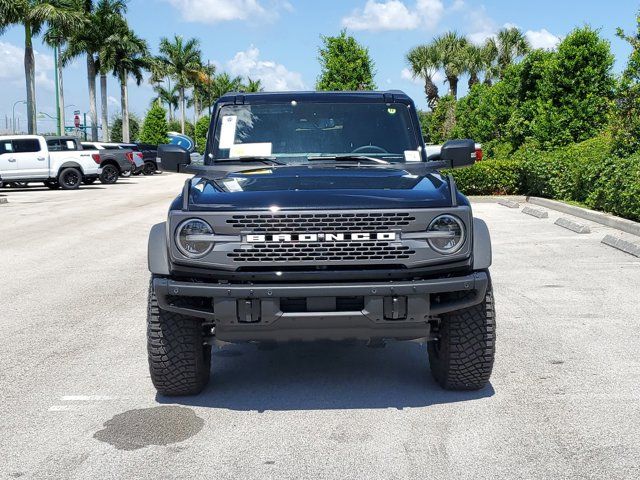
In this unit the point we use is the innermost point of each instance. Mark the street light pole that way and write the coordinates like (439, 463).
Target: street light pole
(55, 61)
(13, 124)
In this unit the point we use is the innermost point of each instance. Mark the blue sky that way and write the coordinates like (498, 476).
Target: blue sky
(277, 40)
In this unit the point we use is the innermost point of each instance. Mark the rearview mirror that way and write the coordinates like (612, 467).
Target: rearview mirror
(458, 153)
(173, 158)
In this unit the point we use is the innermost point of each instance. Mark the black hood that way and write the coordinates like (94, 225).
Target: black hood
(320, 188)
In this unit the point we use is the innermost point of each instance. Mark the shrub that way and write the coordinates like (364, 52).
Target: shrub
(586, 172)
(116, 129)
(154, 129)
(202, 127)
(491, 177)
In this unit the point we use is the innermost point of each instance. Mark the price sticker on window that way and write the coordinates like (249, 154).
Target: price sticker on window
(228, 131)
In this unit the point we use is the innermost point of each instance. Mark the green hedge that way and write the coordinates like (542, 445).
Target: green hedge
(585, 172)
(492, 177)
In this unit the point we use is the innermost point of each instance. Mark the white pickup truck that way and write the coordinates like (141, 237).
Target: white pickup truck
(58, 162)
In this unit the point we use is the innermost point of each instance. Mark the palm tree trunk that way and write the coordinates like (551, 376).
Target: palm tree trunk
(182, 109)
(474, 79)
(431, 90)
(124, 103)
(60, 94)
(30, 76)
(453, 86)
(105, 107)
(93, 109)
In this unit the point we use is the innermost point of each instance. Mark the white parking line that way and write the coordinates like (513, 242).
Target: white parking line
(85, 398)
(65, 408)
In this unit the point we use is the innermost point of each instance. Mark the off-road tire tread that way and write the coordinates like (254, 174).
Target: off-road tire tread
(468, 341)
(179, 363)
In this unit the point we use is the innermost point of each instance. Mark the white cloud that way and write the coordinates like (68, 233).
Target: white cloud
(406, 74)
(542, 39)
(482, 26)
(215, 11)
(12, 70)
(391, 15)
(430, 11)
(274, 76)
(111, 100)
(395, 15)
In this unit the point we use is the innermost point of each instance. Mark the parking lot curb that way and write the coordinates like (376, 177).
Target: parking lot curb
(631, 248)
(509, 203)
(605, 219)
(534, 212)
(571, 225)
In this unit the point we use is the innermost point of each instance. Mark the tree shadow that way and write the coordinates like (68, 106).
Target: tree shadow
(320, 376)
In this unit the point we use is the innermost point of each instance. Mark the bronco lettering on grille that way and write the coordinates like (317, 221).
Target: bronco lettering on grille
(320, 237)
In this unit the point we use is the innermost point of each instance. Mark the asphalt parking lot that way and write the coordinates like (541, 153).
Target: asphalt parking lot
(76, 400)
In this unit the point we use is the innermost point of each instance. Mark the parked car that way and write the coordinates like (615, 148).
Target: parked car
(116, 161)
(58, 162)
(149, 153)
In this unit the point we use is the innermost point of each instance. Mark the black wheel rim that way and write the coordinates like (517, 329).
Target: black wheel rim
(110, 174)
(71, 179)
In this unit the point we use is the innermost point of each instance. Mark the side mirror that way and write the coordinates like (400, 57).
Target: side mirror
(458, 153)
(173, 158)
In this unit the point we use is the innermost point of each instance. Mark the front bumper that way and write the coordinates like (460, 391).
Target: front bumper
(397, 309)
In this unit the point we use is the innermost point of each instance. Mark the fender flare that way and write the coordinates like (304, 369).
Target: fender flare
(157, 250)
(70, 164)
(482, 255)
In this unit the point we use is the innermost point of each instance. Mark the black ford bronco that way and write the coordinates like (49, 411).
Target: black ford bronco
(318, 216)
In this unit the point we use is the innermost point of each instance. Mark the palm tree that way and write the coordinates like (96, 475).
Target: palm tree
(32, 15)
(425, 63)
(61, 25)
(490, 53)
(252, 86)
(475, 61)
(167, 96)
(125, 54)
(107, 19)
(183, 62)
(451, 48)
(87, 41)
(508, 45)
(200, 88)
(224, 83)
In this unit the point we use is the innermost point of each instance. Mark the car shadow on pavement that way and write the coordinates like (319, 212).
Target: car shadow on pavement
(322, 375)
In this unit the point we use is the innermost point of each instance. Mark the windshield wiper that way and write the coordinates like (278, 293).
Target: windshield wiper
(256, 158)
(348, 158)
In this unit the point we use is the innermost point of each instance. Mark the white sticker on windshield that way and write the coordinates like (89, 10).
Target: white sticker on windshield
(411, 156)
(250, 150)
(228, 131)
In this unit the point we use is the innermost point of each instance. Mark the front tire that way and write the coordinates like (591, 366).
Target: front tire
(179, 362)
(70, 179)
(462, 356)
(109, 174)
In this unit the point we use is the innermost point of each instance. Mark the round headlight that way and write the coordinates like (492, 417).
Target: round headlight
(448, 234)
(189, 246)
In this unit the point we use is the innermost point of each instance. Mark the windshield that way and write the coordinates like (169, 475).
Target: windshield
(292, 132)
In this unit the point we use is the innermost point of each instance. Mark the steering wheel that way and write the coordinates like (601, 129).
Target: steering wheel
(369, 149)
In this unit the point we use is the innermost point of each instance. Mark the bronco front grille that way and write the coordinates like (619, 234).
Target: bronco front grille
(321, 222)
(322, 251)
